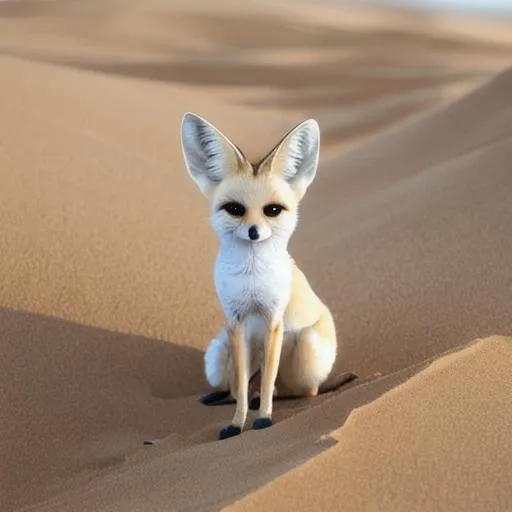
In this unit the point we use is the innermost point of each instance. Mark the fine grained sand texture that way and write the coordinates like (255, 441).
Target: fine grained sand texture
(106, 294)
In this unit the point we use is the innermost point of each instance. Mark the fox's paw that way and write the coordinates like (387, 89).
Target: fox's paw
(261, 423)
(229, 431)
(217, 398)
(254, 404)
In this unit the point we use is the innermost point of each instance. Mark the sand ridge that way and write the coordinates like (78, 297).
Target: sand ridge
(106, 294)
(437, 425)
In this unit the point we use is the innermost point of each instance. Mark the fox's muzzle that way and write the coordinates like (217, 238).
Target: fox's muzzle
(253, 233)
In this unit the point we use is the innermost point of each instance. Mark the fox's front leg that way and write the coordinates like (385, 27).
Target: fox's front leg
(273, 347)
(240, 385)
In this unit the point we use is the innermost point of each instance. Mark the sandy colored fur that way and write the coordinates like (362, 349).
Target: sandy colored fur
(254, 213)
(304, 310)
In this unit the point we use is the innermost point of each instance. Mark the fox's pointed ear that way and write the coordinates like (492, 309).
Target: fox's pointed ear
(209, 155)
(296, 156)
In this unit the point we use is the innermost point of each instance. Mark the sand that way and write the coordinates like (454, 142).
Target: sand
(106, 293)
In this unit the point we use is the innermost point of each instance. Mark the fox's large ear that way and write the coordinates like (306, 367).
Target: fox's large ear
(209, 155)
(295, 158)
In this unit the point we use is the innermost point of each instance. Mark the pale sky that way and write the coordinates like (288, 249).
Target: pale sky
(503, 6)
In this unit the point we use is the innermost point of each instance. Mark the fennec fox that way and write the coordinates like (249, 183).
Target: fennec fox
(275, 323)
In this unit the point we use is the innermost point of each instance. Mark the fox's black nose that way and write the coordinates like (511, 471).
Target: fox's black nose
(253, 233)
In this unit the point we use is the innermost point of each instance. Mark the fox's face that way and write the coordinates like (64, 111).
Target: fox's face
(251, 203)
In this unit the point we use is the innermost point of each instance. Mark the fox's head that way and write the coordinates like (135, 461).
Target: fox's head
(251, 203)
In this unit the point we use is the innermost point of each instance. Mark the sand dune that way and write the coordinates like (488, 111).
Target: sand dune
(106, 296)
(414, 448)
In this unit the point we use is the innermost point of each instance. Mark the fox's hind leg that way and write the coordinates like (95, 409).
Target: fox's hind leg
(307, 363)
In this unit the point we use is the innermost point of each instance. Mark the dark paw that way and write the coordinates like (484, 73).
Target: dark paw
(215, 398)
(261, 423)
(229, 431)
(254, 404)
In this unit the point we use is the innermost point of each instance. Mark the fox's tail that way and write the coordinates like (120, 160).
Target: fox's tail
(216, 360)
(216, 367)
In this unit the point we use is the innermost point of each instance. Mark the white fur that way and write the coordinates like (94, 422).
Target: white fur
(216, 361)
(252, 278)
(313, 359)
(306, 360)
(300, 151)
(206, 151)
(216, 357)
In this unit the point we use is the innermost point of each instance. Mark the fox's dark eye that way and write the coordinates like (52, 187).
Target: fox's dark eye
(234, 209)
(273, 210)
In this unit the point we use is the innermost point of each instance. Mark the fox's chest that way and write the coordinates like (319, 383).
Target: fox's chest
(258, 284)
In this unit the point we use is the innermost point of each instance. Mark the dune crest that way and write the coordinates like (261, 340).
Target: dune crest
(106, 255)
(438, 441)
